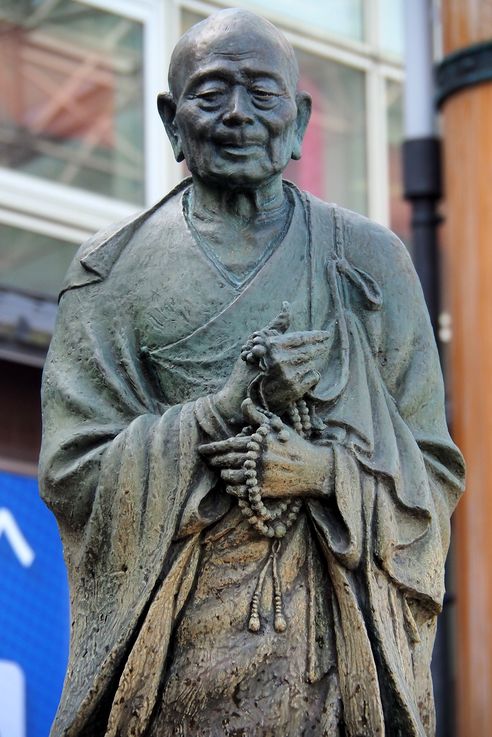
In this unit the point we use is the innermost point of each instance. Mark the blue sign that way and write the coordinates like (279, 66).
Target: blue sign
(34, 611)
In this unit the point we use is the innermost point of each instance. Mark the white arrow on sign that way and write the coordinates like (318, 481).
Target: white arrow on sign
(12, 700)
(13, 533)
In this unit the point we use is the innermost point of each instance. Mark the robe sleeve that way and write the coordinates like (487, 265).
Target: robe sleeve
(425, 477)
(389, 425)
(117, 468)
(397, 476)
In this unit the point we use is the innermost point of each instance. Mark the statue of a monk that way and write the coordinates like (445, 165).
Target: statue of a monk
(244, 439)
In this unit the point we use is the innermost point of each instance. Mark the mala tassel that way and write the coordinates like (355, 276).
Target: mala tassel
(279, 622)
(254, 623)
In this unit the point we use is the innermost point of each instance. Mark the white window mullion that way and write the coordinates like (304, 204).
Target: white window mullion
(371, 22)
(138, 11)
(77, 208)
(43, 227)
(54, 202)
(161, 34)
(377, 147)
(160, 19)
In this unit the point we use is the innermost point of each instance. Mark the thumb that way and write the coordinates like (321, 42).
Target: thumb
(251, 412)
(281, 323)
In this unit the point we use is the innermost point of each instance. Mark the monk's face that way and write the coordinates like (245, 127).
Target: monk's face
(237, 116)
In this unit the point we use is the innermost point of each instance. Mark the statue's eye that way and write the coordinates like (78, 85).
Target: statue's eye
(264, 95)
(210, 94)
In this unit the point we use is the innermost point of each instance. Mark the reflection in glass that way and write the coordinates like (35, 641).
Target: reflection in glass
(333, 163)
(71, 88)
(391, 34)
(399, 207)
(338, 17)
(33, 262)
(188, 19)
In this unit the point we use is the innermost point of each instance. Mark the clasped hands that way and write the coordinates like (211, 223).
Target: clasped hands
(289, 465)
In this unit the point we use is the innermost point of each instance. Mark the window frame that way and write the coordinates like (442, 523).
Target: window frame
(366, 56)
(75, 214)
(42, 201)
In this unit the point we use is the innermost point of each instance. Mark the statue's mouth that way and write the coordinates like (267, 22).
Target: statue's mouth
(238, 138)
(240, 148)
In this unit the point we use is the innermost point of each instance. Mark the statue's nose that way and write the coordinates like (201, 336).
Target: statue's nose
(238, 110)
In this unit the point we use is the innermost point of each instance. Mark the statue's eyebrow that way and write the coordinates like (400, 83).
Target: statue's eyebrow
(255, 74)
(218, 73)
(223, 74)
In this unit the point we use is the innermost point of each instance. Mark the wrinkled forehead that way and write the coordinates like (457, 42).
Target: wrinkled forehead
(238, 38)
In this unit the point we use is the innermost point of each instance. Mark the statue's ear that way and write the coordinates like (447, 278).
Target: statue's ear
(304, 104)
(167, 111)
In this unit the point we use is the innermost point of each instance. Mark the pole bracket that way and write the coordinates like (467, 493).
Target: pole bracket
(464, 68)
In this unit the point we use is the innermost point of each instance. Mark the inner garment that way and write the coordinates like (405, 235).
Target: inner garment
(224, 680)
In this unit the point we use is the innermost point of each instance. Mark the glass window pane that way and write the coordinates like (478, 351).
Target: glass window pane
(71, 85)
(33, 262)
(337, 17)
(391, 35)
(343, 18)
(188, 19)
(399, 207)
(333, 163)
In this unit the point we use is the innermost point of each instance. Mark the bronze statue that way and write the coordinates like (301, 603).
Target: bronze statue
(244, 439)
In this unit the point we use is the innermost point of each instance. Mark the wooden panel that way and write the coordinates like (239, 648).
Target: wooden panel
(465, 22)
(467, 122)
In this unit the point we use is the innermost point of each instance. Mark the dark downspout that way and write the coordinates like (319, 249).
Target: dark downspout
(422, 187)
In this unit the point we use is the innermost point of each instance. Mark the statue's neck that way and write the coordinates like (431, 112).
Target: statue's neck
(238, 226)
(244, 205)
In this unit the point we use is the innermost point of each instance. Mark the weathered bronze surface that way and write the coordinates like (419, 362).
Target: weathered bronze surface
(244, 439)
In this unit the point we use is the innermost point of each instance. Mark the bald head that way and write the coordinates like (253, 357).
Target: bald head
(234, 113)
(219, 34)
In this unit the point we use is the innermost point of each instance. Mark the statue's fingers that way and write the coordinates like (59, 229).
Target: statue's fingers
(310, 380)
(303, 363)
(295, 381)
(246, 349)
(291, 374)
(259, 351)
(252, 414)
(227, 460)
(233, 476)
(296, 357)
(240, 491)
(236, 443)
(299, 339)
(281, 322)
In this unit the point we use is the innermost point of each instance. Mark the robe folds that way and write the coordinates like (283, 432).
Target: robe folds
(148, 327)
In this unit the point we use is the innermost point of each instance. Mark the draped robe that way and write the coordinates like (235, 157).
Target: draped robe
(148, 327)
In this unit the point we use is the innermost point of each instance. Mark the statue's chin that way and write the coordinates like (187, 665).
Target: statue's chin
(231, 178)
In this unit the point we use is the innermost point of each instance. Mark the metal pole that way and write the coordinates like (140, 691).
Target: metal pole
(422, 187)
(421, 149)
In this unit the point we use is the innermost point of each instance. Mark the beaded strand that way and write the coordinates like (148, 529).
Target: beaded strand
(275, 519)
(272, 519)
